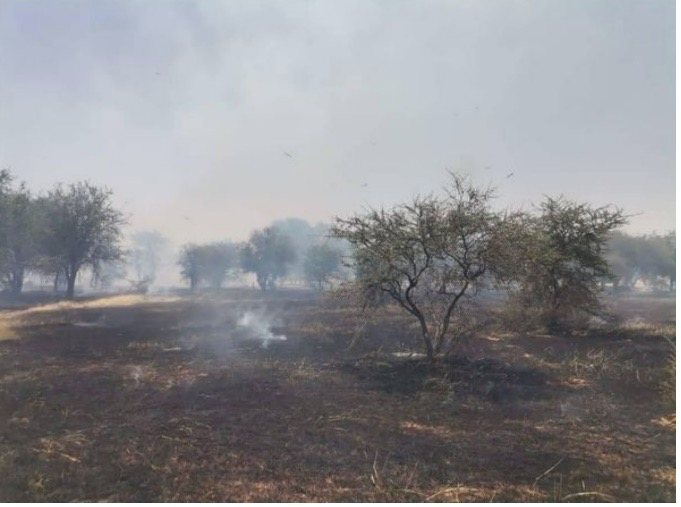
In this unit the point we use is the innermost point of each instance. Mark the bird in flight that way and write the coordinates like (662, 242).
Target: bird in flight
(509, 175)
(288, 154)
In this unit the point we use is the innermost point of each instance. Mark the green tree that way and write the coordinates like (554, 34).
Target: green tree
(430, 256)
(322, 264)
(218, 262)
(82, 228)
(658, 259)
(269, 255)
(624, 254)
(18, 233)
(190, 264)
(212, 263)
(564, 258)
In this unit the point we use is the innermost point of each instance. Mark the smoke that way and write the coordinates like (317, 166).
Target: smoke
(259, 327)
(225, 326)
(135, 373)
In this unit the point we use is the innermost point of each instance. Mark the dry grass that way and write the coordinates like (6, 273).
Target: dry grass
(131, 412)
(7, 331)
(105, 302)
(668, 384)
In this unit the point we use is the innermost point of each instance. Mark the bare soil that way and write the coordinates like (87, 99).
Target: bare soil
(134, 399)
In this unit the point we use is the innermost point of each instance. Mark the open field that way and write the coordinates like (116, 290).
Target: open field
(178, 399)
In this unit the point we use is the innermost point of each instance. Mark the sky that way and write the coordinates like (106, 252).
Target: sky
(208, 119)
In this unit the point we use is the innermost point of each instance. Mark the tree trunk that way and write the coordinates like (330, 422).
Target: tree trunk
(430, 352)
(71, 284)
(17, 282)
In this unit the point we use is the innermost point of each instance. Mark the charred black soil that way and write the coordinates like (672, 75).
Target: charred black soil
(153, 399)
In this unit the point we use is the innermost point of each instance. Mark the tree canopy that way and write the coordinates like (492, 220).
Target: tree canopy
(322, 264)
(268, 254)
(211, 263)
(82, 228)
(563, 257)
(19, 234)
(430, 256)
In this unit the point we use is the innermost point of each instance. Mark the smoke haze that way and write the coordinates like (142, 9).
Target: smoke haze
(209, 119)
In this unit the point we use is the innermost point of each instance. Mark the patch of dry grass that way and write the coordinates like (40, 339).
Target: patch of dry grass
(668, 384)
(600, 363)
(641, 329)
(7, 331)
(121, 301)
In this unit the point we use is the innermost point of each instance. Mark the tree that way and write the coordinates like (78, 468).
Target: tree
(564, 258)
(212, 263)
(658, 259)
(49, 268)
(82, 229)
(650, 258)
(303, 235)
(429, 256)
(147, 248)
(190, 262)
(322, 263)
(218, 261)
(268, 254)
(18, 232)
(669, 269)
(624, 257)
(107, 273)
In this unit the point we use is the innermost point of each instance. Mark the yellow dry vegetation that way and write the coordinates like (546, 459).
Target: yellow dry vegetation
(7, 332)
(108, 302)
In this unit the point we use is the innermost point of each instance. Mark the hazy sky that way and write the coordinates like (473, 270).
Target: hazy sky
(208, 119)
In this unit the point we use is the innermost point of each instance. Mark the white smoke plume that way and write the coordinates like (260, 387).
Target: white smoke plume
(259, 326)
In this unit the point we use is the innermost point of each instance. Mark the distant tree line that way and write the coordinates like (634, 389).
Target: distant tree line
(212, 263)
(649, 258)
(431, 256)
(289, 248)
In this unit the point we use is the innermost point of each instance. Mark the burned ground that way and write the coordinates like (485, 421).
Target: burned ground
(169, 399)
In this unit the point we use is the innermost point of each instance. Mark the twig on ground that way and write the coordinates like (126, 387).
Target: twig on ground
(442, 492)
(374, 477)
(547, 472)
(588, 493)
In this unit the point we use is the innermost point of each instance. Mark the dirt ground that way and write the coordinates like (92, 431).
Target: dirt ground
(134, 399)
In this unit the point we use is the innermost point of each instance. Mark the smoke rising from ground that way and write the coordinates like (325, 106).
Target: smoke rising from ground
(228, 326)
(260, 325)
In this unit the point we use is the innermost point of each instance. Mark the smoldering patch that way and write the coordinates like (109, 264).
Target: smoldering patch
(232, 329)
(259, 326)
